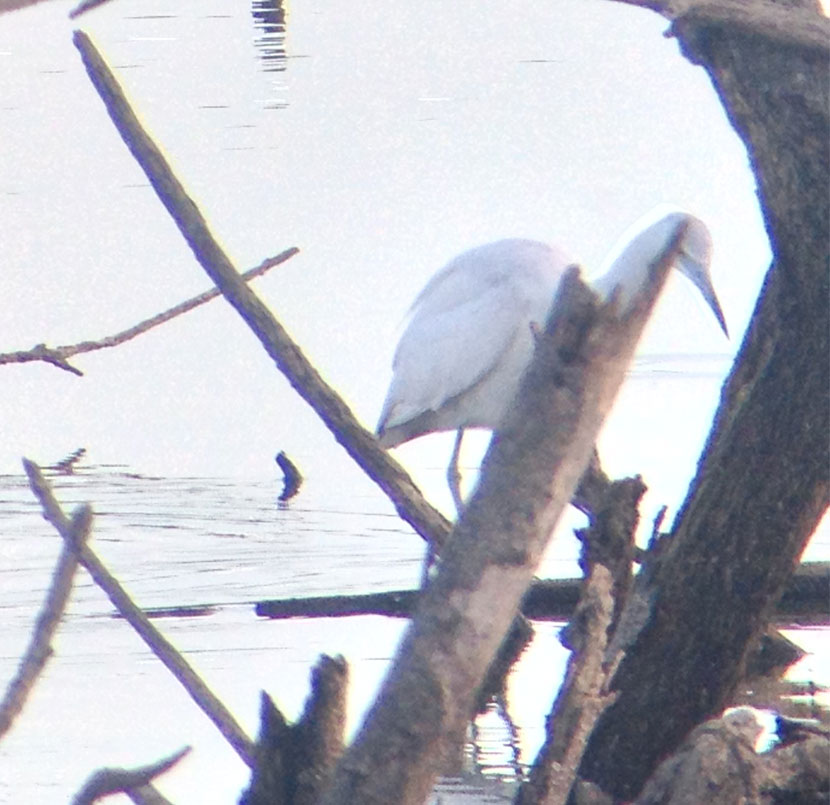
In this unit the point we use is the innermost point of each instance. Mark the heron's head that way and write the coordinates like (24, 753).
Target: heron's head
(626, 267)
(693, 260)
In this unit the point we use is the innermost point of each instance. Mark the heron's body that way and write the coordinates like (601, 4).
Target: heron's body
(470, 334)
(468, 340)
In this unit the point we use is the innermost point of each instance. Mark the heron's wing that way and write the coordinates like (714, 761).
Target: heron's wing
(447, 351)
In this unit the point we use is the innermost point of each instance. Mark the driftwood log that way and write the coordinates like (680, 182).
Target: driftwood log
(804, 601)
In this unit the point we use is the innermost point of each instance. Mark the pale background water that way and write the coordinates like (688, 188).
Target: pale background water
(395, 136)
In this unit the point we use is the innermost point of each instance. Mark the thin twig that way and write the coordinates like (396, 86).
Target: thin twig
(329, 406)
(160, 646)
(121, 781)
(39, 650)
(57, 356)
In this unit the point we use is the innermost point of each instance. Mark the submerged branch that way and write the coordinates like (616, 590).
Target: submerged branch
(804, 601)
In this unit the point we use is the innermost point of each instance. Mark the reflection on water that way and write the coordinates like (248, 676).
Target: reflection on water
(495, 747)
(220, 545)
(217, 545)
(269, 21)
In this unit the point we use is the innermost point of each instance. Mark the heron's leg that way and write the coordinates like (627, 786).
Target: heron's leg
(454, 474)
(426, 565)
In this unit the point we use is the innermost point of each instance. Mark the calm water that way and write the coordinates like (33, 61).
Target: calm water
(104, 699)
(381, 138)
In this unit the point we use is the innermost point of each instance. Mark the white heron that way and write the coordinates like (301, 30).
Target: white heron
(469, 336)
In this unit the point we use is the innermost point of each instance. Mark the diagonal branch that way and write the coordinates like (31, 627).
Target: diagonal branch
(329, 406)
(57, 356)
(762, 483)
(161, 647)
(39, 649)
(548, 437)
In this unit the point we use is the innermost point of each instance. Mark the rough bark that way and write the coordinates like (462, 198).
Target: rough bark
(487, 564)
(294, 763)
(718, 765)
(581, 699)
(762, 484)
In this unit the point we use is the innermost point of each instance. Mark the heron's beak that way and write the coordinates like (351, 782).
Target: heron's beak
(698, 273)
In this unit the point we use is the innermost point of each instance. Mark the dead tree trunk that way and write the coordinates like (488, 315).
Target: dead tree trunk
(762, 484)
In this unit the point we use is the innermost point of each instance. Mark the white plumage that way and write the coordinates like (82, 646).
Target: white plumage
(469, 337)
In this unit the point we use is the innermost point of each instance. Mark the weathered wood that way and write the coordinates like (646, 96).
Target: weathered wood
(762, 484)
(294, 762)
(718, 765)
(582, 697)
(548, 439)
(610, 537)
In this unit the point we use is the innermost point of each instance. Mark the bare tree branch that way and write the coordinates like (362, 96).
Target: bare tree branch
(15, 5)
(428, 694)
(160, 646)
(39, 649)
(582, 697)
(121, 781)
(58, 355)
(84, 6)
(329, 406)
(780, 22)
